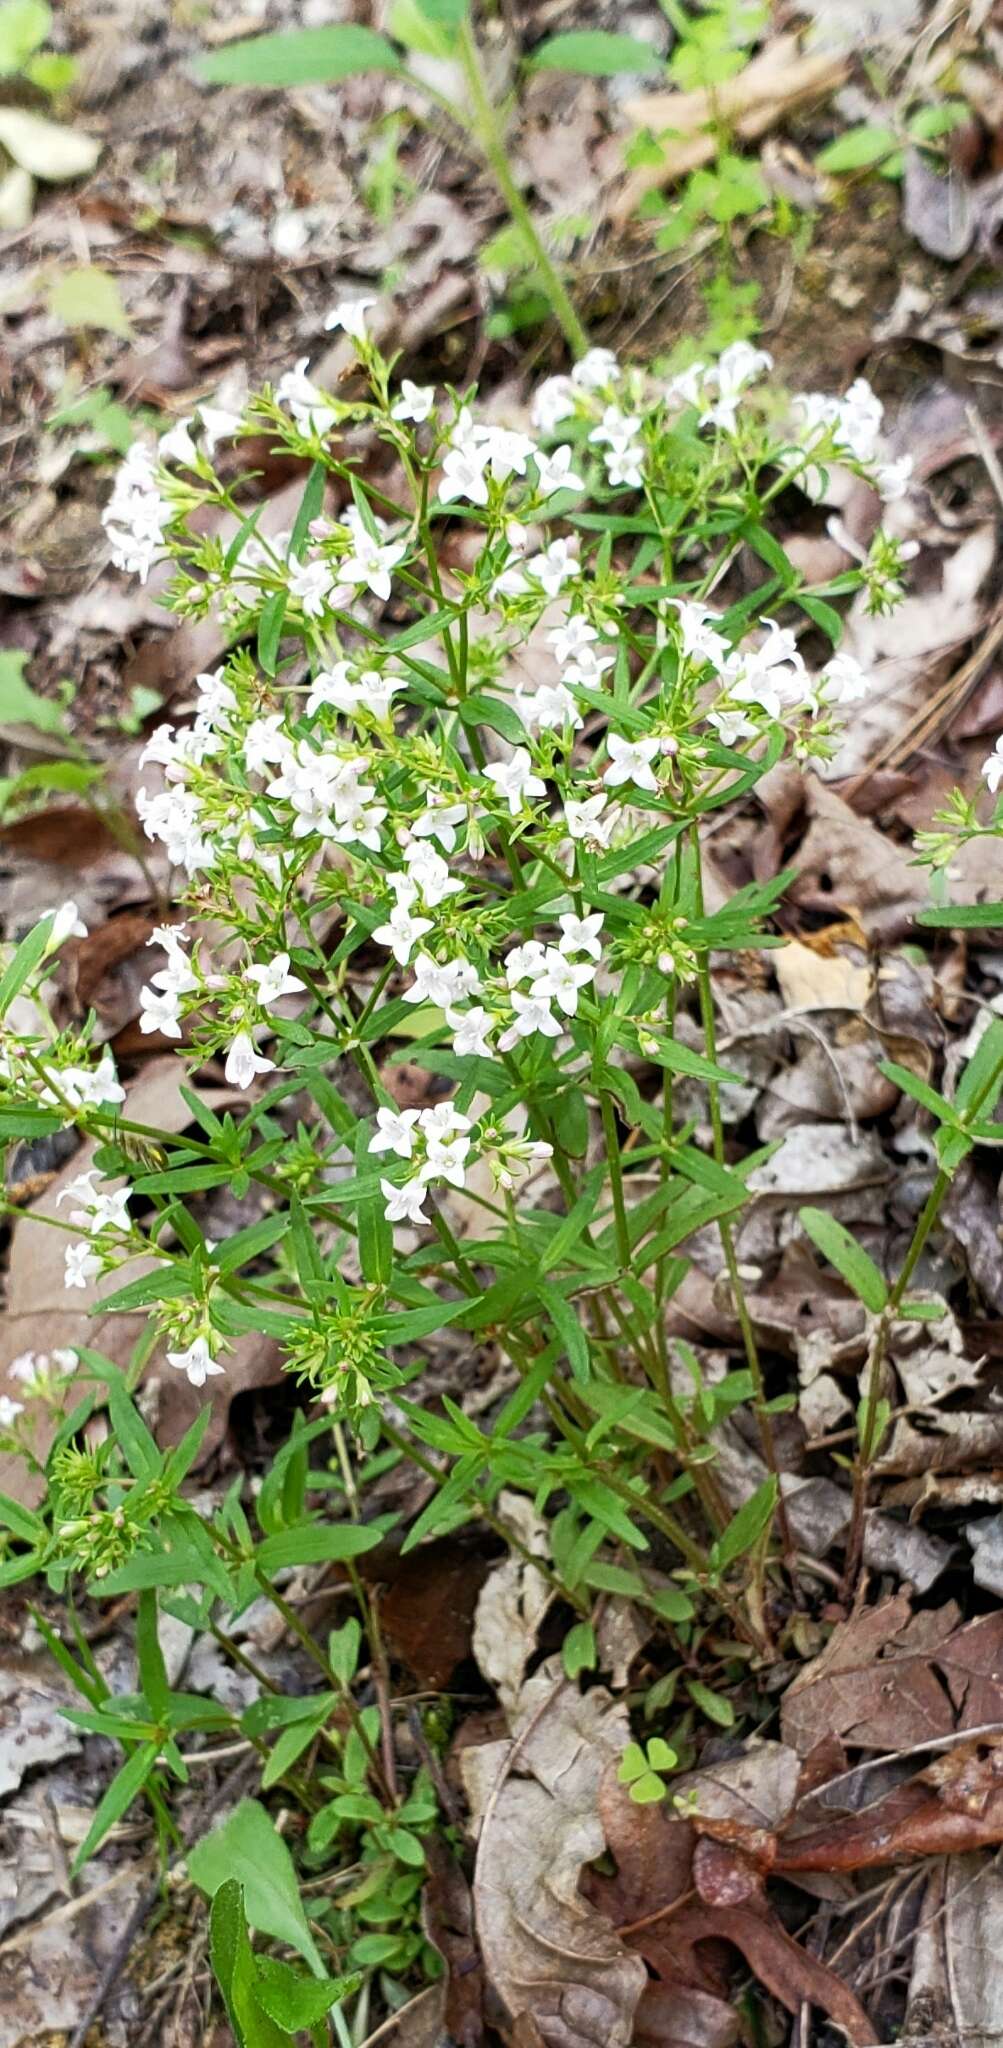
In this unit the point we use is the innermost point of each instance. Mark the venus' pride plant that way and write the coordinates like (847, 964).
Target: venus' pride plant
(443, 803)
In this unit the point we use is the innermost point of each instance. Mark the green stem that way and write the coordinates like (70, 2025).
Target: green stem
(486, 128)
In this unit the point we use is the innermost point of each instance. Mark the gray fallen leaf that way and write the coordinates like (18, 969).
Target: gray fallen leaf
(32, 1728)
(820, 1159)
(46, 148)
(939, 212)
(512, 1603)
(986, 1539)
(550, 1955)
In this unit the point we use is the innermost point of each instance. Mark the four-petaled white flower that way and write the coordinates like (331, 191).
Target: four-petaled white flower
(81, 1264)
(562, 980)
(581, 934)
(9, 1411)
(630, 761)
(394, 1132)
(514, 779)
(273, 980)
(555, 471)
(585, 820)
(404, 1204)
(197, 1363)
(416, 402)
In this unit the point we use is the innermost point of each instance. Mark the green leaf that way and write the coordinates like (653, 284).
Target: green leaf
(236, 1971)
(316, 1543)
(152, 1669)
(481, 709)
(292, 2000)
(596, 53)
(857, 150)
(24, 963)
(19, 703)
(270, 624)
(24, 26)
(849, 1258)
(711, 1703)
(89, 297)
(568, 1328)
(124, 1788)
(745, 1528)
(248, 1847)
(412, 25)
(978, 1090)
(963, 917)
(302, 56)
(578, 1650)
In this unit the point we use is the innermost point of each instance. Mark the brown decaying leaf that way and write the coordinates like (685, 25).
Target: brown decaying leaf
(547, 1952)
(448, 1919)
(427, 1608)
(889, 1679)
(678, 1900)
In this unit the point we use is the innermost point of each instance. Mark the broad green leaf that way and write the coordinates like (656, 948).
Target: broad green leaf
(248, 1847)
(849, 1258)
(711, 1703)
(292, 2000)
(578, 1650)
(301, 56)
(19, 703)
(89, 297)
(316, 1543)
(24, 26)
(236, 1971)
(857, 150)
(596, 53)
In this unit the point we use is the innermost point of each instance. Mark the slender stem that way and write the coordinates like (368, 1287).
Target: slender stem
(487, 130)
(615, 1165)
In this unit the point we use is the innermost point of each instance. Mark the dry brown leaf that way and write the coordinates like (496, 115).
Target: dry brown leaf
(781, 77)
(956, 1986)
(889, 1679)
(547, 1952)
(512, 1602)
(812, 980)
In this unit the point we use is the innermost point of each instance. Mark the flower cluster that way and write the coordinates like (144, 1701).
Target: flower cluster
(458, 757)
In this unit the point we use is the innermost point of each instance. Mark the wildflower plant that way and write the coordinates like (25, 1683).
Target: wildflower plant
(443, 802)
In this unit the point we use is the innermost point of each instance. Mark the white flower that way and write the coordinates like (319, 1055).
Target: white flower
(159, 1011)
(402, 932)
(32, 1368)
(514, 779)
(370, 563)
(581, 934)
(597, 367)
(439, 822)
(416, 402)
(532, 1015)
(242, 1062)
(555, 473)
(463, 476)
(311, 584)
(136, 515)
(893, 478)
(81, 1264)
(585, 820)
(218, 424)
(350, 316)
(553, 402)
(562, 979)
(274, 980)
(394, 1132)
(630, 761)
(626, 466)
(197, 1362)
(312, 412)
(265, 744)
(557, 565)
(429, 874)
(700, 640)
(404, 1204)
(845, 681)
(549, 708)
(992, 766)
(470, 1029)
(446, 1160)
(177, 444)
(9, 1411)
(572, 638)
(524, 961)
(736, 368)
(443, 1121)
(442, 985)
(67, 923)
